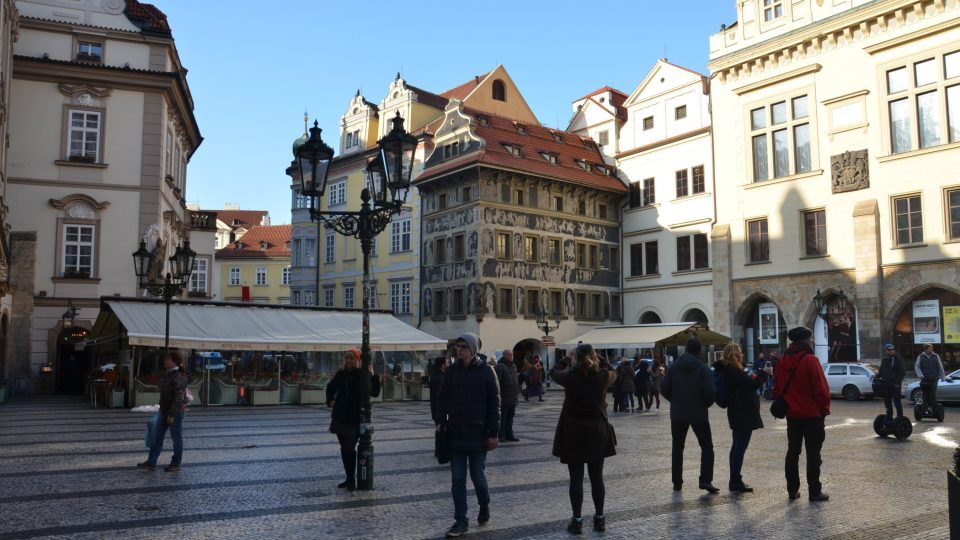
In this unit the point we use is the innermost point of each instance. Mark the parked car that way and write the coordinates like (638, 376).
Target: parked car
(850, 380)
(948, 390)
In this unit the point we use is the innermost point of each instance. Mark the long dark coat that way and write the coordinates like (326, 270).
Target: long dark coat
(469, 405)
(344, 390)
(743, 403)
(581, 435)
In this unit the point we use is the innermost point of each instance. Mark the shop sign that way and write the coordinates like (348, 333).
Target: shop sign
(768, 324)
(926, 321)
(951, 324)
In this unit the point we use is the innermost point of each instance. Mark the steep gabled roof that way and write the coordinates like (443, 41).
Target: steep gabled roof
(428, 98)
(147, 17)
(275, 240)
(501, 135)
(462, 91)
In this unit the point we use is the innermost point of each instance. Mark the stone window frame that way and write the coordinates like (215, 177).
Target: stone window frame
(80, 55)
(83, 211)
(555, 302)
(948, 229)
(70, 159)
(234, 276)
(260, 276)
(805, 234)
(506, 253)
(531, 256)
(893, 219)
(329, 296)
(199, 284)
(559, 251)
(764, 240)
(401, 296)
(458, 302)
(506, 309)
(349, 295)
(790, 125)
(459, 247)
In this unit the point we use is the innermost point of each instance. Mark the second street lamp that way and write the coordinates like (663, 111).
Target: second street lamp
(149, 267)
(388, 182)
(544, 324)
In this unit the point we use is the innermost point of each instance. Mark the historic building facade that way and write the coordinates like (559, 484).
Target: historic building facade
(837, 133)
(659, 137)
(101, 129)
(255, 267)
(9, 32)
(516, 218)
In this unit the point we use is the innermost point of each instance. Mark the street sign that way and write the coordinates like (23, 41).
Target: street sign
(548, 341)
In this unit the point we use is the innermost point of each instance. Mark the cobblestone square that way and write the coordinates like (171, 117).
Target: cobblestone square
(68, 471)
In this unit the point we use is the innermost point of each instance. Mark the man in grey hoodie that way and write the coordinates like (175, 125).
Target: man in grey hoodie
(930, 370)
(469, 407)
(688, 386)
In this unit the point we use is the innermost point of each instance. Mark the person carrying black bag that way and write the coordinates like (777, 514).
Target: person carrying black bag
(583, 435)
(892, 370)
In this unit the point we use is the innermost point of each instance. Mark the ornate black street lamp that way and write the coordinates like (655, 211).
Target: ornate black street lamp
(181, 266)
(543, 323)
(69, 316)
(831, 311)
(388, 182)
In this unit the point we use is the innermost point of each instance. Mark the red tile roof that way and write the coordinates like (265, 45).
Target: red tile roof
(617, 99)
(429, 98)
(275, 237)
(462, 91)
(147, 17)
(501, 131)
(241, 218)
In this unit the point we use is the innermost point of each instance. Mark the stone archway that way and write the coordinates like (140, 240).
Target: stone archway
(941, 323)
(761, 325)
(650, 317)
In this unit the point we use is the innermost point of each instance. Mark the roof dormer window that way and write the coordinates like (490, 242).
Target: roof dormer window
(521, 129)
(514, 149)
(451, 150)
(236, 221)
(557, 138)
(583, 164)
(89, 51)
(263, 245)
(549, 156)
(484, 121)
(601, 169)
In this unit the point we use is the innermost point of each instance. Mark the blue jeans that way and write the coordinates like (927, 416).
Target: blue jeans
(458, 474)
(176, 433)
(741, 440)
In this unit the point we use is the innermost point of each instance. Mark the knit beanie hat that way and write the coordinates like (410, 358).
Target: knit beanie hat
(800, 333)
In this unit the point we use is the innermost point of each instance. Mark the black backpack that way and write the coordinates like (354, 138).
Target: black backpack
(720, 387)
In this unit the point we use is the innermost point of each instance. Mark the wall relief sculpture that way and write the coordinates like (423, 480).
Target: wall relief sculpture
(850, 171)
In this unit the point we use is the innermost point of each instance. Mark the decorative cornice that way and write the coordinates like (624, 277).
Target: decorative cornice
(71, 90)
(60, 204)
(777, 79)
(913, 36)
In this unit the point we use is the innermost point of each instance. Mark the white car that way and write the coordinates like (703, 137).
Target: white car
(850, 380)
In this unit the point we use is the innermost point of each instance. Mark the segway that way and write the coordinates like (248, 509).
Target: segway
(900, 427)
(922, 409)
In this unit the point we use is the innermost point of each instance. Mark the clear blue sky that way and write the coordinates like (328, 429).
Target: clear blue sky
(255, 66)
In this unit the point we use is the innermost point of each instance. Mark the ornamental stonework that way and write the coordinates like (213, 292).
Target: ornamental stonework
(850, 171)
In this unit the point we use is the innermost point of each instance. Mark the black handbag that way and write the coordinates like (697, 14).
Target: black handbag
(779, 406)
(441, 445)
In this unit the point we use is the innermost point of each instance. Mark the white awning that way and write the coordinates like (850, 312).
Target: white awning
(645, 336)
(263, 328)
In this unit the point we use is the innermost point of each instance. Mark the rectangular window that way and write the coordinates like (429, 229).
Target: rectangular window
(84, 136)
(596, 306)
(503, 246)
(199, 276)
(615, 307)
(581, 255)
(349, 296)
(558, 204)
(372, 291)
(261, 276)
(602, 211)
(457, 302)
(953, 214)
(582, 208)
(441, 201)
(505, 305)
(78, 244)
(683, 253)
(89, 51)
(593, 256)
(400, 297)
(614, 259)
(295, 300)
(634, 195)
(519, 197)
(328, 296)
(285, 276)
(168, 156)
(699, 182)
(554, 245)
(530, 252)
(309, 298)
(701, 255)
(648, 123)
(758, 242)
(310, 252)
(924, 97)
(295, 253)
(330, 247)
(440, 251)
(400, 236)
(234, 276)
(465, 194)
(459, 247)
(644, 259)
(679, 113)
(649, 192)
(581, 305)
(785, 150)
(772, 9)
(556, 301)
(908, 219)
(533, 301)
(603, 138)
(815, 233)
(338, 193)
(682, 183)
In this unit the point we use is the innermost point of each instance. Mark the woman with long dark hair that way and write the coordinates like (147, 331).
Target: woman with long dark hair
(743, 409)
(582, 437)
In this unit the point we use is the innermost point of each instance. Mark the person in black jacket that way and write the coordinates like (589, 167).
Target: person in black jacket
(892, 370)
(436, 376)
(469, 408)
(509, 390)
(343, 395)
(743, 408)
(688, 386)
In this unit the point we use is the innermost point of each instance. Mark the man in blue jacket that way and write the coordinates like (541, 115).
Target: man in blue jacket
(469, 407)
(688, 386)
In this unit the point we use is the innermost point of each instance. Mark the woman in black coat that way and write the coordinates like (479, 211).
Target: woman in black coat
(582, 436)
(743, 409)
(343, 395)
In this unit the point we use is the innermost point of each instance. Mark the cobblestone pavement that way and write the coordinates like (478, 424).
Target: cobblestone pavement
(67, 471)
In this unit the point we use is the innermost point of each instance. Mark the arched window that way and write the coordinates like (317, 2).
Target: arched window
(650, 318)
(499, 90)
(696, 316)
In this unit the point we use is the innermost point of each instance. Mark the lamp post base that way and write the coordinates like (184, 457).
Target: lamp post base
(365, 459)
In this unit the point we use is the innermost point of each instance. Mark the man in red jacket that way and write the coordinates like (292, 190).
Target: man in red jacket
(799, 379)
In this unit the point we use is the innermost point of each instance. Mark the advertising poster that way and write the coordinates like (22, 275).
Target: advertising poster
(768, 324)
(951, 324)
(926, 321)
